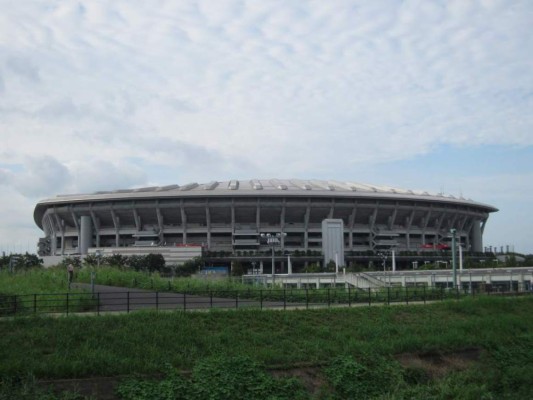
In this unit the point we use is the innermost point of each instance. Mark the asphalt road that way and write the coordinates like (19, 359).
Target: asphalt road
(115, 298)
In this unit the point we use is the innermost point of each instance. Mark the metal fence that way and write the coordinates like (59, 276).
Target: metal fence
(133, 300)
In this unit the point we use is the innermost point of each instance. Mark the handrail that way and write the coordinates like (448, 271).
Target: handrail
(285, 298)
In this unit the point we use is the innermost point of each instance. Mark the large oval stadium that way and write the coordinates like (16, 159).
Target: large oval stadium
(230, 217)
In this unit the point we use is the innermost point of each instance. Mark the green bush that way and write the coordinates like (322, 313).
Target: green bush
(363, 378)
(172, 387)
(25, 388)
(217, 378)
(23, 261)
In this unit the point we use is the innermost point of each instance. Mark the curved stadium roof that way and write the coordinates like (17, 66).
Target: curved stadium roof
(253, 187)
(259, 187)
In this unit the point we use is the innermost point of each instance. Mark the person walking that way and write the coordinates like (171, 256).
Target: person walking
(70, 270)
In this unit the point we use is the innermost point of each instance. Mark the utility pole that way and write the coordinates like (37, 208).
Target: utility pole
(454, 257)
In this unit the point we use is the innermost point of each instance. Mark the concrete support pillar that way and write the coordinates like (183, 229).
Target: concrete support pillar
(208, 225)
(53, 236)
(393, 261)
(460, 258)
(282, 225)
(475, 234)
(183, 223)
(306, 225)
(86, 234)
(96, 225)
(116, 224)
(62, 237)
(521, 285)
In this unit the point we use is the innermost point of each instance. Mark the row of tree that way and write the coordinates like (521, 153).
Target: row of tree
(147, 263)
(20, 261)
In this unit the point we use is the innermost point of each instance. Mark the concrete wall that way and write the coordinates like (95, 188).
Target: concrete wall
(333, 241)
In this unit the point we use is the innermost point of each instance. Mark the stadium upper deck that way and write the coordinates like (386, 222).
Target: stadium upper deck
(231, 215)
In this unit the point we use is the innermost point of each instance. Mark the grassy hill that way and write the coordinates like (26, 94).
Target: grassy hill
(473, 348)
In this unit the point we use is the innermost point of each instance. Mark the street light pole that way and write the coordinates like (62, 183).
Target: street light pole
(273, 240)
(273, 266)
(98, 254)
(454, 257)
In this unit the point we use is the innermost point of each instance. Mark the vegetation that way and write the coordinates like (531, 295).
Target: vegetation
(34, 280)
(39, 290)
(26, 388)
(235, 378)
(358, 358)
(19, 261)
(351, 353)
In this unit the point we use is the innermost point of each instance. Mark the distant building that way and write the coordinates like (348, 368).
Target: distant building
(228, 217)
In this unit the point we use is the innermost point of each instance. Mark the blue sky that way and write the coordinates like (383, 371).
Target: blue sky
(431, 95)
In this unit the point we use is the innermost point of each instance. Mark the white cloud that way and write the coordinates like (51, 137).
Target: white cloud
(278, 88)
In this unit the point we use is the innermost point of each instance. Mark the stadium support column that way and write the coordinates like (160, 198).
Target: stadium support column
(306, 224)
(282, 225)
(86, 234)
(408, 224)
(61, 227)
(476, 237)
(333, 241)
(208, 224)
(183, 222)
(160, 224)
(53, 235)
(116, 224)
(96, 224)
(351, 223)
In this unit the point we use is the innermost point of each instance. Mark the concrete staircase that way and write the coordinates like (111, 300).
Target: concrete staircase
(362, 280)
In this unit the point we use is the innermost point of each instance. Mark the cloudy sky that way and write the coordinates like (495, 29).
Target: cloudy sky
(432, 95)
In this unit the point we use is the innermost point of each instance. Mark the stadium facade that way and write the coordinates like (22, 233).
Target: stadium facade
(230, 217)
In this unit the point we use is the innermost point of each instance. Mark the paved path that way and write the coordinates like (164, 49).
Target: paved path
(116, 298)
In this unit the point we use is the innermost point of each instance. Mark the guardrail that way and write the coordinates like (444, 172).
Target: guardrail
(133, 300)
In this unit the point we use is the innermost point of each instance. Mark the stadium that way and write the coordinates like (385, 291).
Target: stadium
(227, 219)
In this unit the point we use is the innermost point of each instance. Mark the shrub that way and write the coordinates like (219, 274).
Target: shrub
(232, 378)
(116, 260)
(363, 378)
(75, 261)
(23, 261)
(154, 262)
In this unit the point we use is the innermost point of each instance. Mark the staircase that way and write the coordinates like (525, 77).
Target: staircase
(364, 281)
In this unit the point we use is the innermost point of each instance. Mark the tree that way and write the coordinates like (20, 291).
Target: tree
(189, 267)
(330, 266)
(511, 261)
(136, 262)
(90, 260)
(312, 268)
(75, 261)
(154, 262)
(238, 269)
(116, 260)
(21, 261)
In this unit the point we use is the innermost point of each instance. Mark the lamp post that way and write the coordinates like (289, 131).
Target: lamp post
(454, 257)
(98, 254)
(273, 240)
(383, 260)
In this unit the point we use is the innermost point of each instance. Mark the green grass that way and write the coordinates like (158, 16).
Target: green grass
(34, 280)
(130, 278)
(147, 342)
(39, 290)
(352, 348)
(143, 341)
(230, 288)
